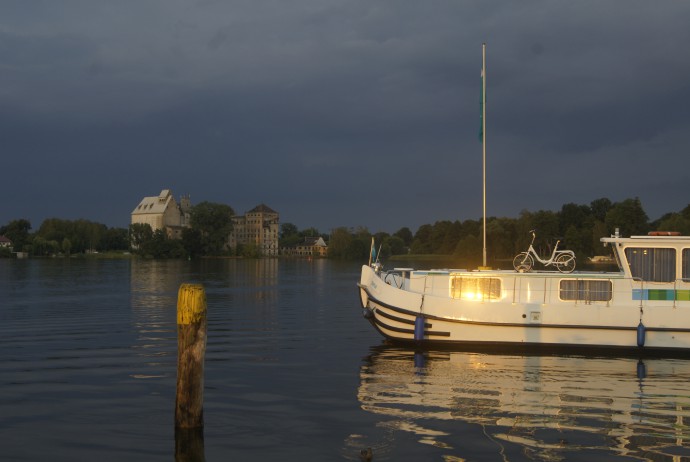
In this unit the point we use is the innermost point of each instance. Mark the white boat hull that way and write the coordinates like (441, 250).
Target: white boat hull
(528, 311)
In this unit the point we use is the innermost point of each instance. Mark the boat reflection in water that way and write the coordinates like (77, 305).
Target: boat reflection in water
(530, 407)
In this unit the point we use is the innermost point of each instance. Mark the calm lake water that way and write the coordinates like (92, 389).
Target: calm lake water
(294, 373)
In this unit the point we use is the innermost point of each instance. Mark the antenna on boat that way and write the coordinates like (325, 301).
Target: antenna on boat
(483, 128)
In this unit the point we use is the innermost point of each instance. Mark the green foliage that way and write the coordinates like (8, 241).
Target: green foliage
(396, 245)
(17, 231)
(406, 235)
(66, 246)
(469, 250)
(340, 240)
(161, 246)
(140, 234)
(249, 251)
(422, 243)
(115, 239)
(679, 222)
(82, 235)
(629, 217)
(599, 208)
(192, 242)
(289, 236)
(579, 227)
(349, 245)
(214, 224)
(155, 244)
(57, 236)
(288, 229)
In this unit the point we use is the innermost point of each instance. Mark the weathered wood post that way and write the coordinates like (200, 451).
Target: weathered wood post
(191, 349)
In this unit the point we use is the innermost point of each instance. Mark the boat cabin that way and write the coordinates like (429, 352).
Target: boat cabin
(654, 258)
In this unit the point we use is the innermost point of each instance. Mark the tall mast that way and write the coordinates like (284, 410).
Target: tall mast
(484, 150)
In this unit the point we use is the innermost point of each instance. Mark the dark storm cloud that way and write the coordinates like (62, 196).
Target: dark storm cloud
(341, 112)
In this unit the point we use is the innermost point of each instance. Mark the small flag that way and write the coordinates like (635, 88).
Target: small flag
(372, 251)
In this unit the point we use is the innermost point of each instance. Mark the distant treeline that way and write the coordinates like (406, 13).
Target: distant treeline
(579, 227)
(57, 236)
(210, 225)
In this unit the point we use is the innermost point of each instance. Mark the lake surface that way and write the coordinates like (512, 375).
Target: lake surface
(294, 373)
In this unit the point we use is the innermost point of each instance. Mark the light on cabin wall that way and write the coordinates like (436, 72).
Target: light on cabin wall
(469, 295)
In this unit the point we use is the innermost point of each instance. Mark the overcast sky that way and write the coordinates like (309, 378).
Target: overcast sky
(342, 112)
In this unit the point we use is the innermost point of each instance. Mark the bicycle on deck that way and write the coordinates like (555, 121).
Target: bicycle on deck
(563, 260)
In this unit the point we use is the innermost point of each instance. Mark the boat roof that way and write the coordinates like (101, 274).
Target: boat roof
(648, 239)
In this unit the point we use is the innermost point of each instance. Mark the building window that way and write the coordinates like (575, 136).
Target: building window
(586, 290)
(470, 288)
(652, 264)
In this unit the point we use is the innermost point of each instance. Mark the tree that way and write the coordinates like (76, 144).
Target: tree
(573, 215)
(396, 245)
(214, 223)
(250, 250)
(600, 207)
(191, 242)
(17, 231)
(500, 236)
(675, 222)
(421, 244)
(629, 217)
(289, 235)
(469, 250)
(439, 231)
(310, 232)
(161, 246)
(67, 246)
(140, 234)
(115, 239)
(405, 234)
(339, 243)
(288, 229)
(545, 224)
(83, 234)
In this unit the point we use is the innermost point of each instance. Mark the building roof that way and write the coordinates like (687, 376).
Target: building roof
(5, 240)
(154, 204)
(262, 208)
(313, 242)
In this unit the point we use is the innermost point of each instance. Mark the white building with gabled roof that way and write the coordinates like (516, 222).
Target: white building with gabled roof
(163, 212)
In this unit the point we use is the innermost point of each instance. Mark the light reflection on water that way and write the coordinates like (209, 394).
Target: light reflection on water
(293, 372)
(546, 407)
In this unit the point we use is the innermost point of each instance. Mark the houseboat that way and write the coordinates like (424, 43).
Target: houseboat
(643, 305)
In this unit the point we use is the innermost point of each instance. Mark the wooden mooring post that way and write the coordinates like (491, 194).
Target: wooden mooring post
(191, 349)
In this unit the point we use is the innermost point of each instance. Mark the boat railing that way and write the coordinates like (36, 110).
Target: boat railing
(543, 288)
(660, 291)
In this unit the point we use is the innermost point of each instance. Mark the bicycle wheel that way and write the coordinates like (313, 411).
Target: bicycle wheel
(523, 262)
(565, 263)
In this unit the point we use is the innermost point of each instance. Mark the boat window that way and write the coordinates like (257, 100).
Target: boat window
(686, 265)
(652, 264)
(469, 288)
(586, 290)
